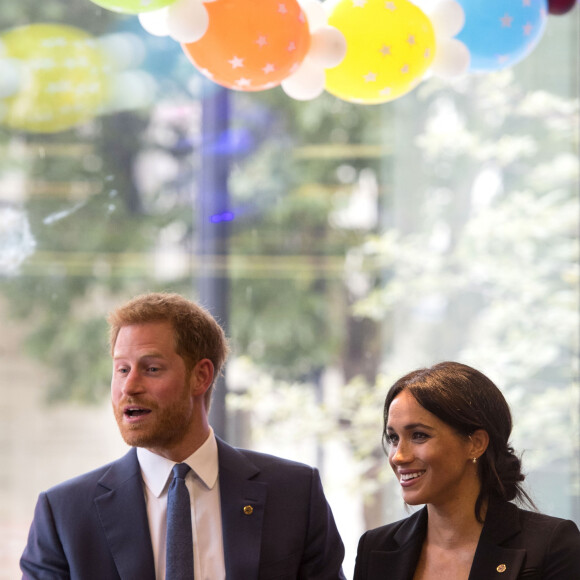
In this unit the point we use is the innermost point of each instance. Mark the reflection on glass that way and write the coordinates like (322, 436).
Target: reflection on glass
(360, 242)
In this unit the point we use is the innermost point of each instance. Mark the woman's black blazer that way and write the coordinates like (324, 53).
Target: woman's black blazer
(515, 544)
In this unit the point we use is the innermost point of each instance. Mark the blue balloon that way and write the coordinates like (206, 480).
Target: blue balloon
(500, 33)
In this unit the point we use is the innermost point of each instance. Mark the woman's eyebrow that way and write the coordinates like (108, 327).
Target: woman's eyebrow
(411, 426)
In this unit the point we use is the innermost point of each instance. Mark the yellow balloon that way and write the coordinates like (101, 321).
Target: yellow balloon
(65, 79)
(390, 45)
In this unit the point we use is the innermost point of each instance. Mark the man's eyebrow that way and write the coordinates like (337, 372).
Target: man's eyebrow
(146, 356)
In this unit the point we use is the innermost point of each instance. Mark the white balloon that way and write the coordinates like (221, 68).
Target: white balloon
(187, 20)
(315, 13)
(451, 58)
(155, 22)
(447, 18)
(11, 77)
(306, 83)
(327, 46)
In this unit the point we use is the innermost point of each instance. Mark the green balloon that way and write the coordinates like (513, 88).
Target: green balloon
(133, 6)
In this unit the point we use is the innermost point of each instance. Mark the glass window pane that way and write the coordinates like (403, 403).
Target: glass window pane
(340, 244)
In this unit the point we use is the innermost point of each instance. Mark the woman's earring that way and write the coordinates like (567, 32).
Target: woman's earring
(474, 460)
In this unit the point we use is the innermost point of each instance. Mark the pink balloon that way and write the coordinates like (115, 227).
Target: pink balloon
(560, 6)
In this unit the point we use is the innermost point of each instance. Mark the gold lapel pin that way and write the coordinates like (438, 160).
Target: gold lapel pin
(501, 568)
(248, 510)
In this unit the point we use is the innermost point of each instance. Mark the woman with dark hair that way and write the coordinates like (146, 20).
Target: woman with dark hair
(446, 431)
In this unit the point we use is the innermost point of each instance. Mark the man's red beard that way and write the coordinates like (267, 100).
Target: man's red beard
(161, 427)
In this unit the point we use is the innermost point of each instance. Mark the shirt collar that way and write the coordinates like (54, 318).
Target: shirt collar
(156, 469)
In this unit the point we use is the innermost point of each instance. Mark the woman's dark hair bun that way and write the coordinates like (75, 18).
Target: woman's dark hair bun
(505, 475)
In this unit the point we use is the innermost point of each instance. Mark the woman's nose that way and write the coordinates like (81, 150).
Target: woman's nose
(402, 453)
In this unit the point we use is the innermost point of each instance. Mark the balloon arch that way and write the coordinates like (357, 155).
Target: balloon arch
(362, 51)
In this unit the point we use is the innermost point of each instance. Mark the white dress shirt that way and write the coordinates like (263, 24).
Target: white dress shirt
(203, 485)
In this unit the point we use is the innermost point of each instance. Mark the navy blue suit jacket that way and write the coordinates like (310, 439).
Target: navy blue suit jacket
(515, 544)
(94, 527)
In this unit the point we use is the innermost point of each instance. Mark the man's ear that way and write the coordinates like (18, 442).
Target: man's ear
(479, 441)
(201, 376)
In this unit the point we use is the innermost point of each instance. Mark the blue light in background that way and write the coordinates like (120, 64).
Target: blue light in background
(225, 216)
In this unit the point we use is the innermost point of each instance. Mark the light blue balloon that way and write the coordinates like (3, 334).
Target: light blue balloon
(500, 33)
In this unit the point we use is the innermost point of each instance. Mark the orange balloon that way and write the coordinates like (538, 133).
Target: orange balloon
(251, 45)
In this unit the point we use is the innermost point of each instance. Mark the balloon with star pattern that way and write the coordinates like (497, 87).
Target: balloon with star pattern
(64, 77)
(500, 33)
(390, 46)
(251, 45)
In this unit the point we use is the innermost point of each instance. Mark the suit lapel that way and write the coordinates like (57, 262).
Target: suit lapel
(491, 560)
(401, 558)
(123, 514)
(242, 503)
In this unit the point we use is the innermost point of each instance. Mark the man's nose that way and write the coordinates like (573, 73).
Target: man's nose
(132, 384)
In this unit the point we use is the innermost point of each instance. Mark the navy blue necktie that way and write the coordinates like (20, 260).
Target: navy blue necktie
(179, 558)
